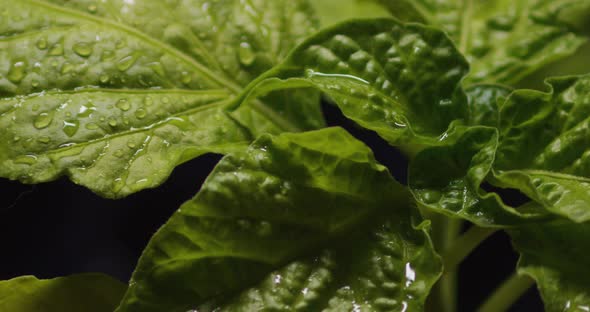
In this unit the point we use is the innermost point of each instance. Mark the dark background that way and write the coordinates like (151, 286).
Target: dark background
(59, 228)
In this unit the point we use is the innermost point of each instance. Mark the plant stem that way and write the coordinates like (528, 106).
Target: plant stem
(505, 295)
(464, 245)
(443, 297)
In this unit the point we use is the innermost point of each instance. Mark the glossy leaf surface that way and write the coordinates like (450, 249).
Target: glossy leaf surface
(504, 40)
(402, 81)
(388, 267)
(555, 254)
(83, 292)
(541, 151)
(261, 208)
(80, 81)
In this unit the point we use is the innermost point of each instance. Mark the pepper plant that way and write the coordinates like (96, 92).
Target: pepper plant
(297, 216)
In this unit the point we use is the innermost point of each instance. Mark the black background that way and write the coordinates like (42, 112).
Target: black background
(59, 228)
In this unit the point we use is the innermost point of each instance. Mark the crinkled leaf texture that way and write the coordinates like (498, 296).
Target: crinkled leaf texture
(505, 40)
(295, 222)
(116, 94)
(555, 255)
(541, 149)
(83, 292)
(400, 80)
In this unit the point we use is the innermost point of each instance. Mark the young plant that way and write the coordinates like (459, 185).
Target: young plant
(297, 216)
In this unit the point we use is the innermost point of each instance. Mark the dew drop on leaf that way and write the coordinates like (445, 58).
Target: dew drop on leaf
(118, 153)
(66, 68)
(57, 49)
(17, 71)
(131, 145)
(148, 101)
(41, 44)
(107, 55)
(123, 104)
(126, 62)
(245, 54)
(91, 126)
(44, 139)
(26, 159)
(70, 127)
(43, 120)
(140, 113)
(83, 49)
(112, 122)
(104, 78)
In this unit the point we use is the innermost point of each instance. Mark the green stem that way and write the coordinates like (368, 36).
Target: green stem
(443, 297)
(505, 295)
(464, 245)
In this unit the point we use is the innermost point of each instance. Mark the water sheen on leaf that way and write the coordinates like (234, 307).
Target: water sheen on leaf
(116, 94)
(400, 80)
(504, 40)
(280, 200)
(83, 292)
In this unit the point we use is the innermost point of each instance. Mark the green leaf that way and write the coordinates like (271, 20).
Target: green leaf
(390, 267)
(400, 80)
(116, 95)
(448, 179)
(484, 103)
(505, 40)
(555, 255)
(542, 151)
(261, 208)
(83, 292)
(331, 12)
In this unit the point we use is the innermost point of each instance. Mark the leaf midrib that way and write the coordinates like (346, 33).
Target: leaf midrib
(217, 78)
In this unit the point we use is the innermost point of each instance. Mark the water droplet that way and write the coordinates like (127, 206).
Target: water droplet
(17, 71)
(131, 145)
(185, 77)
(123, 105)
(245, 54)
(68, 114)
(83, 49)
(140, 113)
(112, 122)
(16, 138)
(126, 62)
(104, 78)
(91, 126)
(37, 67)
(44, 139)
(41, 44)
(118, 153)
(148, 101)
(43, 120)
(101, 118)
(26, 159)
(86, 110)
(35, 107)
(107, 55)
(57, 49)
(66, 68)
(35, 83)
(70, 127)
